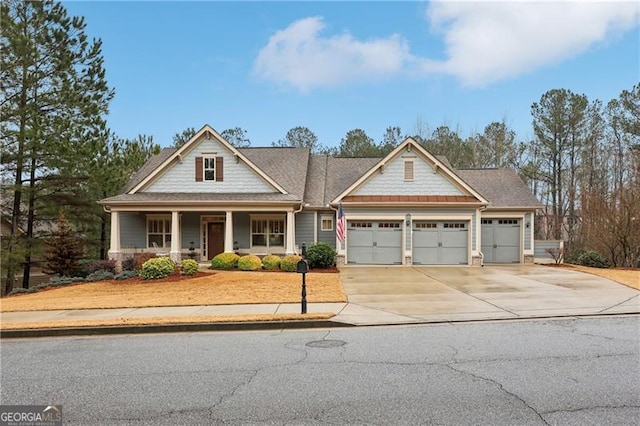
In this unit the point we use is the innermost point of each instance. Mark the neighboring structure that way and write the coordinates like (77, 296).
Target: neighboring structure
(409, 208)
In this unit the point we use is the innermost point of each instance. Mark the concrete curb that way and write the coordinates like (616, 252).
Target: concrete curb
(169, 328)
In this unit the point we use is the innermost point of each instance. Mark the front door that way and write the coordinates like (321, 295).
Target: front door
(215, 239)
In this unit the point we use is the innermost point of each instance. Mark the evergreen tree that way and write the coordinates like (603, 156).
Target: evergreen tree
(63, 250)
(53, 103)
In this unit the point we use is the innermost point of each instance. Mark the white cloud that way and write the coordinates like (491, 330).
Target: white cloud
(485, 41)
(489, 41)
(299, 55)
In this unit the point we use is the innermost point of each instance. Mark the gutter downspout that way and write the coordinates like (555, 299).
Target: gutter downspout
(294, 224)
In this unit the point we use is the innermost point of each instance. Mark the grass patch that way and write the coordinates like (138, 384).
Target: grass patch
(220, 288)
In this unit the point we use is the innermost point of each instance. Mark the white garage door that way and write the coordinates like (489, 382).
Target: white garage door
(501, 240)
(374, 243)
(440, 243)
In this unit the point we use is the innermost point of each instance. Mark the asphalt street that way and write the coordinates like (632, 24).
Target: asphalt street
(564, 372)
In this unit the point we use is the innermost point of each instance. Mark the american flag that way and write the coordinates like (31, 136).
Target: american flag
(341, 226)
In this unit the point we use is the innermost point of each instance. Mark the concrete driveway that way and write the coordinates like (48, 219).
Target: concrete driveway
(388, 295)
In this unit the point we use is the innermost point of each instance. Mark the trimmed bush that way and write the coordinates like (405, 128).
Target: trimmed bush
(125, 274)
(158, 267)
(321, 255)
(594, 259)
(140, 258)
(289, 263)
(225, 261)
(271, 262)
(249, 262)
(62, 281)
(189, 267)
(99, 275)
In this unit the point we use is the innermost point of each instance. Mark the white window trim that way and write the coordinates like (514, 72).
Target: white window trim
(322, 219)
(268, 218)
(165, 232)
(206, 157)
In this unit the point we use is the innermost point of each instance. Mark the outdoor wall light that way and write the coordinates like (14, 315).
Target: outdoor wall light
(528, 225)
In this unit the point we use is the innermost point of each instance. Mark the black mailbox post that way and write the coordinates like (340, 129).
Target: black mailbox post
(302, 268)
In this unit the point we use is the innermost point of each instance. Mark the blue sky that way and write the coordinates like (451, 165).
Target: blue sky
(335, 66)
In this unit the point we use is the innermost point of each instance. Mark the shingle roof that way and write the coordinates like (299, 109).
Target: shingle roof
(344, 172)
(287, 166)
(502, 187)
(318, 179)
(151, 164)
(189, 197)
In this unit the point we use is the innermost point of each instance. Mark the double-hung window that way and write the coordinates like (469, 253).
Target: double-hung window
(159, 231)
(209, 168)
(267, 231)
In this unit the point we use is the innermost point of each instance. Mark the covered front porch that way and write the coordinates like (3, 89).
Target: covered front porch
(203, 233)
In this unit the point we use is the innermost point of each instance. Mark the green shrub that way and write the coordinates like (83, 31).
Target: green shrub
(321, 255)
(158, 267)
(271, 262)
(20, 290)
(225, 261)
(62, 281)
(594, 259)
(189, 267)
(249, 262)
(125, 274)
(99, 275)
(289, 263)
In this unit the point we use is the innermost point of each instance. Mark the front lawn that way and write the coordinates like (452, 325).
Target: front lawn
(628, 277)
(220, 288)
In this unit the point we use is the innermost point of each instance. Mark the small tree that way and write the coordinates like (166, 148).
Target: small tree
(64, 250)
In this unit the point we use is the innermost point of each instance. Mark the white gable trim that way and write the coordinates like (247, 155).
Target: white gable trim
(410, 144)
(206, 130)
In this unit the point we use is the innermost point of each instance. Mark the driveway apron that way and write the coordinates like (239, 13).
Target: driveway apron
(387, 295)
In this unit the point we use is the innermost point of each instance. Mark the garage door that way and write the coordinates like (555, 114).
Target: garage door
(440, 243)
(501, 240)
(374, 243)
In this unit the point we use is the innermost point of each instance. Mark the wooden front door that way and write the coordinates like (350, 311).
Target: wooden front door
(215, 239)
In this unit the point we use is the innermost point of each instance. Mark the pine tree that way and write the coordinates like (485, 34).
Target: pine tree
(53, 104)
(64, 250)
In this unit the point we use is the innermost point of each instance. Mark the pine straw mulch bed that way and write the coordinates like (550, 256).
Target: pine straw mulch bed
(205, 288)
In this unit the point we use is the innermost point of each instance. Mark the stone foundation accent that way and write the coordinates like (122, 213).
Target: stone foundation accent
(528, 259)
(408, 261)
(117, 256)
(340, 260)
(476, 261)
(176, 256)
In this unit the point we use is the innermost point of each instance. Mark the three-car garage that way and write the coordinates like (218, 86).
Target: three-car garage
(432, 242)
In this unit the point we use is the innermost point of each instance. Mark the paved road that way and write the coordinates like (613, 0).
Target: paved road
(580, 371)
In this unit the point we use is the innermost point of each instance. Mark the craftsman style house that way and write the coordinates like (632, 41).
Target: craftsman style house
(409, 208)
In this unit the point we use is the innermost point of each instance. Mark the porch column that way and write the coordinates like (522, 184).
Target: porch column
(175, 237)
(114, 245)
(289, 247)
(228, 233)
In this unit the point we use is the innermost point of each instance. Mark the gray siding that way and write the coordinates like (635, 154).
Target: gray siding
(328, 237)
(472, 229)
(190, 222)
(242, 229)
(238, 176)
(133, 230)
(304, 228)
(392, 182)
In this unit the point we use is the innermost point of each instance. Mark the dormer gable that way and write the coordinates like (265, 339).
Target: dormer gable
(410, 173)
(207, 163)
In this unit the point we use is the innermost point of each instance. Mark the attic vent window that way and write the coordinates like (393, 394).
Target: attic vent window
(408, 170)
